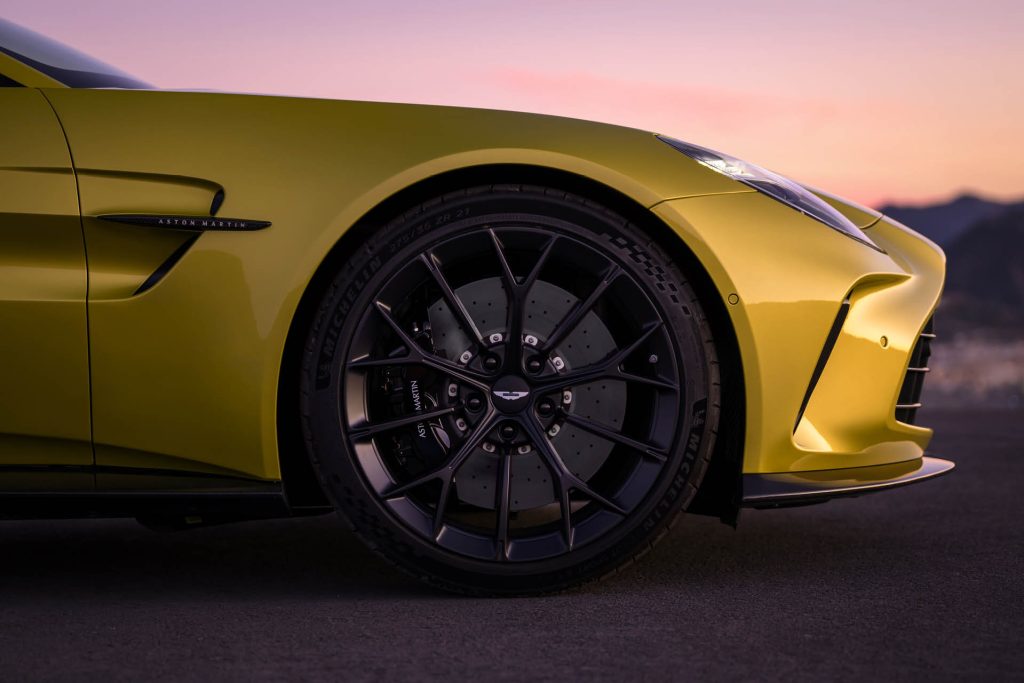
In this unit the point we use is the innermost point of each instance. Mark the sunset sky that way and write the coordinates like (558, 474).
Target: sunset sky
(876, 100)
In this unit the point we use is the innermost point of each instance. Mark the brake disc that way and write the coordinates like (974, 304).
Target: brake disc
(602, 401)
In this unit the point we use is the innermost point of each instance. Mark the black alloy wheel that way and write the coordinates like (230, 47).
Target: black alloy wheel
(510, 390)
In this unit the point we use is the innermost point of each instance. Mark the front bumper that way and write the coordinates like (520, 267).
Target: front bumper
(820, 397)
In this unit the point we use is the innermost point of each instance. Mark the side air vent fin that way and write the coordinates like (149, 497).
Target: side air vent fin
(826, 351)
(913, 382)
(166, 266)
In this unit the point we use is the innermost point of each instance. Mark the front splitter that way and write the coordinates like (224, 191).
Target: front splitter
(783, 489)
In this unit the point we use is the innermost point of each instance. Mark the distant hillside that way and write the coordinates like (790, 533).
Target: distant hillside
(978, 358)
(944, 223)
(985, 277)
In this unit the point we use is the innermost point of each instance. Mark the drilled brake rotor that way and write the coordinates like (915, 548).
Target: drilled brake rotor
(603, 401)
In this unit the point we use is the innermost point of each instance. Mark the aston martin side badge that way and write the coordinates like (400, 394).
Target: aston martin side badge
(191, 223)
(196, 223)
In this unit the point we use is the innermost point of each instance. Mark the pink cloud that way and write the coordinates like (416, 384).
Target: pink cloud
(612, 99)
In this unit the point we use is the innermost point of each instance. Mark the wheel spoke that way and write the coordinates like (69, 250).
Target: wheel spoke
(516, 293)
(569, 322)
(515, 298)
(566, 478)
(562, 488)
(442, 504)
(455, 304)
(504, 493)
(655, 382)
(442, 474)
(507, 276)
(537, 267)
(604, 501)
(565, 509)
(369, 363)
(446, 472)
(389, 425)
(604, 432)
(460, 373)
(403, 336)
(619, 358)
(448, 368)
(418, 356)
(607, 368)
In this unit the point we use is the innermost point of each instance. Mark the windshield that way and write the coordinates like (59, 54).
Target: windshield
(60, 62)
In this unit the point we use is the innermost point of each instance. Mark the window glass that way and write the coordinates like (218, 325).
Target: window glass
(60, 62)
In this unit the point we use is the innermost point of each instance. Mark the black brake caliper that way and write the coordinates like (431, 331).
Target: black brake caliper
(413, 389)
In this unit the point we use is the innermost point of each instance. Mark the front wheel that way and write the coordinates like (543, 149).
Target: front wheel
(510, 390)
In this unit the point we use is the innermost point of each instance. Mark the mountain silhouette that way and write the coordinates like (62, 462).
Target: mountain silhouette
(944, 223)
(985, 276)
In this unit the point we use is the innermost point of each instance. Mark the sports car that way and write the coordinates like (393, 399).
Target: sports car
(509, 350)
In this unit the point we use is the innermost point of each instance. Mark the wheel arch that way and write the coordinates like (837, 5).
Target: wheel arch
(720, 493)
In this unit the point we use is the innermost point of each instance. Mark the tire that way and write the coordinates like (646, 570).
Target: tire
(509, 390)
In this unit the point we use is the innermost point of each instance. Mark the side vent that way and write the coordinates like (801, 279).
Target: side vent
(166, 266)
(910, 393)
(826, 351)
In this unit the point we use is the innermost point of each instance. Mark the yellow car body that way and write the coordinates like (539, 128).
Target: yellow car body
(116, 378)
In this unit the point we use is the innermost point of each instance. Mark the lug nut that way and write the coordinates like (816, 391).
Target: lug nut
(545, 408)
(491, 363)
(474, 402)
(508, 431)
(534, 365)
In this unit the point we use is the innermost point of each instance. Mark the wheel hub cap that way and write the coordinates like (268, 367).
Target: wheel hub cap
(511, 394)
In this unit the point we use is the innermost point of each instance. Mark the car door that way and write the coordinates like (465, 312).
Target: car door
(44, 356)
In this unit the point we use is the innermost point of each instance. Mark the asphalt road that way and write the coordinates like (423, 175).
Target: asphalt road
(927, 581)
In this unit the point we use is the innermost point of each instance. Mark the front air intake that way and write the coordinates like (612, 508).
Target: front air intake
(910, 393)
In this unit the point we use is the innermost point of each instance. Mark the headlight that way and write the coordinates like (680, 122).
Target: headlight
(775, 186)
